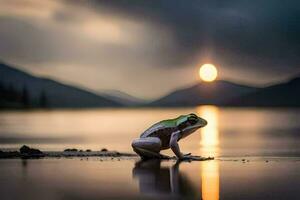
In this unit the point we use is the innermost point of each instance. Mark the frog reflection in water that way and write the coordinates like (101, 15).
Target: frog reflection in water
(166, 134)
(154, 179)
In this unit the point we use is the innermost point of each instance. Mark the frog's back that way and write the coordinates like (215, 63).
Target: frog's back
(163, 130)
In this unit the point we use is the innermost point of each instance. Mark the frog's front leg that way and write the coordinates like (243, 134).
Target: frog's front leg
(148, 147)
(175, 147)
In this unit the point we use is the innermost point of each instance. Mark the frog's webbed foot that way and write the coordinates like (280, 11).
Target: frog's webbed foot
(148, 148)
(190, 158)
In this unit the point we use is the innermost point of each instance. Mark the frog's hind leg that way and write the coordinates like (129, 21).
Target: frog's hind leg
(148, 147)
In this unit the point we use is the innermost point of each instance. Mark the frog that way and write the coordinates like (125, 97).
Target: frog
(165, 135)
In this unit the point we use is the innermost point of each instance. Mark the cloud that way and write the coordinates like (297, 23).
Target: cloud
(239, 32)
(88, 36)
(135, 45)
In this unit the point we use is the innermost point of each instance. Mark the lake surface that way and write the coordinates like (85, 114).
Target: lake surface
(51, 179)
(268, 140)
(230, 131)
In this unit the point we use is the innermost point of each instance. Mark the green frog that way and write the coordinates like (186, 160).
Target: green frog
(166, 134)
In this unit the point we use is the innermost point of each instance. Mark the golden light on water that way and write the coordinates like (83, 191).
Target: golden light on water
(208, 72)
(210, 177)
(210, 180)
(209, 134)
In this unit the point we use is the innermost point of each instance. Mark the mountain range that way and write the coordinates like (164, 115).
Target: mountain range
(19, 89)
(122, 98)
(204, 93)
(224, 93)
(285, 94)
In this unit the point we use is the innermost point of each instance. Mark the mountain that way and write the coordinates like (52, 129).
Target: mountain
(214, 93)
(19, 89)
(122, 97)
(280, 95)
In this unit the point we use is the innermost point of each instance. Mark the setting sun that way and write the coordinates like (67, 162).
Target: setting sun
(208, 72)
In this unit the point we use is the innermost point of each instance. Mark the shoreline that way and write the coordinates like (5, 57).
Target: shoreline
(26, 152)
(62, 154)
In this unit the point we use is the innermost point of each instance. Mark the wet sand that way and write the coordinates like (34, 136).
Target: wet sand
(129, 178)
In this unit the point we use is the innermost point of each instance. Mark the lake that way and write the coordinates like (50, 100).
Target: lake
(257, 155)
(230, 131)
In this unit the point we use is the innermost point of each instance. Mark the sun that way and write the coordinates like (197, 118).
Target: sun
(208, 72)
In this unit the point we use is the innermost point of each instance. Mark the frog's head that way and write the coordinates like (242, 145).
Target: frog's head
(188, 124)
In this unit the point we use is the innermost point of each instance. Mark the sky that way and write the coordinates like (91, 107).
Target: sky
(149, 48)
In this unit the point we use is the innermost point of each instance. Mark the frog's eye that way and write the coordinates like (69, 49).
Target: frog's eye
(193, 120)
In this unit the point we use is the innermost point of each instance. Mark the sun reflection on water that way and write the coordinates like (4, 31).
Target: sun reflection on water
(210, 133)
(209, 146)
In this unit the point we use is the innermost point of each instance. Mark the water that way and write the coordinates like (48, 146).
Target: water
(130, 179)
(230, 131)
(268, 140)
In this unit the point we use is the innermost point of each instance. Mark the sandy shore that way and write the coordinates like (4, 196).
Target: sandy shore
(27, 152)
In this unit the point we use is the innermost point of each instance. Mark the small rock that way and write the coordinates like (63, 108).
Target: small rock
(104, 150)
(27, 152)
(88, 150)
(70, 150)
(267, 161)
(243, 160)
(80, 150)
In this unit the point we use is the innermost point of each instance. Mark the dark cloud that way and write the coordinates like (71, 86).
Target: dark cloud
(242, 33)
(25, 41)
(112, 42)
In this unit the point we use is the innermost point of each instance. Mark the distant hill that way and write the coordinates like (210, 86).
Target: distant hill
(214, 93)
(123, 98)
(20, 89)
(281, 95)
